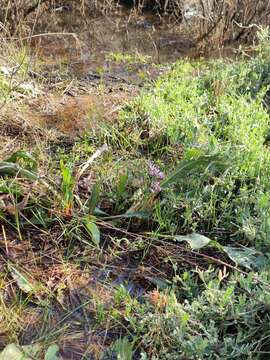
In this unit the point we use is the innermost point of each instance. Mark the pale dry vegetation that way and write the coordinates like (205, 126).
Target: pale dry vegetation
(216, 22)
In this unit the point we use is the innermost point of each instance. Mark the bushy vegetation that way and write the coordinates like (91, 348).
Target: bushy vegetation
(206, 109)
(150, 234)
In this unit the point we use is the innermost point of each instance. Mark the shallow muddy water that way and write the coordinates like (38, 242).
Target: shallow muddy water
(85, 43)
(122, 52)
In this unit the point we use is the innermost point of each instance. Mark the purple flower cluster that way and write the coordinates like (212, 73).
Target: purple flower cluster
(155, 172)
(155, 187)
(158, 175)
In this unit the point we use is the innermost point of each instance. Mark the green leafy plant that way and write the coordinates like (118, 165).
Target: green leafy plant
(123, 349)
(67, 188)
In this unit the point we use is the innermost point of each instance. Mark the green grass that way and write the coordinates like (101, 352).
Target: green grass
(119, 57)
(160, 250)
(206, 109)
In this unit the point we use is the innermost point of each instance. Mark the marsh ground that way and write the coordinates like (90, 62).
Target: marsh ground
(134, 194)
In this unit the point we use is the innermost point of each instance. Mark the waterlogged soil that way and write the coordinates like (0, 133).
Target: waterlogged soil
(83, 83)
(92, 38)
(82, 64)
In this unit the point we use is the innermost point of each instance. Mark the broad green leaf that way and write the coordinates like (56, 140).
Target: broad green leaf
(11, 169)
(159, 282)
(94, 198)
(25, 155)
(21, 279)
(52, 352)
(99, 212)
(196, 241)
(29, 285)
(123, 349)
(189, 166)
(13, 352)
(93, 231)
(67, 185)
(41, 217)
(246, 257)
(122, 185)
(16, 352)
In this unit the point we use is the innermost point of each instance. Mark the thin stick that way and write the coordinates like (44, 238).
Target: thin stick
(5, 239)
(92, 158)
(50, 34)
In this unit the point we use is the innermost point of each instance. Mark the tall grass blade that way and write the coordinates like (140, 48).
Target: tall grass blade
(93, 200)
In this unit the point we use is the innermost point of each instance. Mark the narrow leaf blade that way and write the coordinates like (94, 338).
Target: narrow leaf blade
(94, 198)
(93, 231)
(189, 166)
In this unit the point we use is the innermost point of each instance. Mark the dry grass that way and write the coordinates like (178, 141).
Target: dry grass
(14, 13)
(222, 22)
(218, 22)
